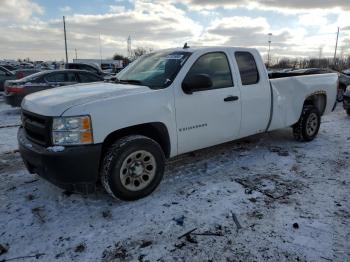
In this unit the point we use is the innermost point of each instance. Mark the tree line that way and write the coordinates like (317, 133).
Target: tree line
(338, 64)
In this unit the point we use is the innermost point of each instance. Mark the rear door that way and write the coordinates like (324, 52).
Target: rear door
(207, 117)
(85, 77)
(255, 92)
(55, 79)
(71, 78)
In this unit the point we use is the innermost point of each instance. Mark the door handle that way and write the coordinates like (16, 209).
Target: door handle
(231, 98)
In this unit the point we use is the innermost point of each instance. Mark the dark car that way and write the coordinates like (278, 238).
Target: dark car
(344, 81)
(346, 101)
(20, 73)
(16, 90)
(88, 67)
(9, 67)
(5, 75)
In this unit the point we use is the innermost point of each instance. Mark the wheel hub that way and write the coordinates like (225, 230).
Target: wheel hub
(311, 124)
(138, 170)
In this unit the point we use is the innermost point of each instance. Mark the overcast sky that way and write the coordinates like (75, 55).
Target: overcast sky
(33, 28)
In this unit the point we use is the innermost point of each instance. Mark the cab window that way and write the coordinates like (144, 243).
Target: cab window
(247, 68)
(214, 65)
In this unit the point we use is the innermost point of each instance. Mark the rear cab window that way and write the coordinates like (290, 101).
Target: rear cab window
(247, 67)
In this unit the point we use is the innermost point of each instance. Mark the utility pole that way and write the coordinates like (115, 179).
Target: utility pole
(268, 53)
(320, 55)
(336, 47)
(99, 37)
(129, 47)
(65, 38)
(76, 54)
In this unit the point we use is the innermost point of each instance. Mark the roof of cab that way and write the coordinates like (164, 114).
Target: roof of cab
(193, 49)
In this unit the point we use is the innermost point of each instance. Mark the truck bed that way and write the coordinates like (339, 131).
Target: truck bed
(290, 92)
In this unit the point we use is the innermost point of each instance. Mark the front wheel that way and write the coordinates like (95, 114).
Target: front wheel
(132, 167)
(306, 129)
(348, 112)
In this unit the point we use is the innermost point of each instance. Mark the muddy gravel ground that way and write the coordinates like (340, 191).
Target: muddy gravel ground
(263, 198)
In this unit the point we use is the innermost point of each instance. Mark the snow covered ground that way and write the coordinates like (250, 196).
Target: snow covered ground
(8, 117)
(263, 198)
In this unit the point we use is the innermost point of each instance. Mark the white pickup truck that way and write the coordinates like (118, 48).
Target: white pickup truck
(164, 104)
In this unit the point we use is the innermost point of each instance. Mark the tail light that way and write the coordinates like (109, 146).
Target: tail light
(19, 75)
(14, 89)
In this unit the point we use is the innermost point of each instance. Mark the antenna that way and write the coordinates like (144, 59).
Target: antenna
(186, 46)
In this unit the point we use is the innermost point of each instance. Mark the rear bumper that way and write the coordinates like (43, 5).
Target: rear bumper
(14, 100)
(74, 168)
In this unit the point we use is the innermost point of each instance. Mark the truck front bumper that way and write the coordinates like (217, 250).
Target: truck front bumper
(75, 168)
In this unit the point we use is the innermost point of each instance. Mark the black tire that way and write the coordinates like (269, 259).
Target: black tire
(302, 129)
(117, 156)
(348, 112)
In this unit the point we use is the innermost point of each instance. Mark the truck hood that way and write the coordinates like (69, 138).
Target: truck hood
(55, 102)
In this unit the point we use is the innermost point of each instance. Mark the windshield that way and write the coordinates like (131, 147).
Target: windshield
(155, 70)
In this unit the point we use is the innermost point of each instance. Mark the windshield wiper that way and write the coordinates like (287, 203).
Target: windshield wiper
(129, 81)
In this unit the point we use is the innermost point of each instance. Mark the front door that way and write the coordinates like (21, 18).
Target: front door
(211, 115)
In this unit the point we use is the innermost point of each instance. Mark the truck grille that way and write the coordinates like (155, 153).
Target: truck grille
(37, 127)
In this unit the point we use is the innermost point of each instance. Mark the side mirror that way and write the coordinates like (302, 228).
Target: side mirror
(196, 83)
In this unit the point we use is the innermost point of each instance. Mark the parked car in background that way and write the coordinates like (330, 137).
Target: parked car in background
(5, 75)
(346, 101)
(20, 73)
(16, 90)
(88, 67)
(9, 67)
(344, 81)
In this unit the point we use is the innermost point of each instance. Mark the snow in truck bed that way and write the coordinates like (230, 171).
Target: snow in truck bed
(290, 199)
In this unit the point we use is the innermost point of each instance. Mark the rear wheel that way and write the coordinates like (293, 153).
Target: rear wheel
(306, 129)
(132, 167)
(348, 112)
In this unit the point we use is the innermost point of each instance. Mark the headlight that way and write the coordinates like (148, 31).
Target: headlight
(72, 130)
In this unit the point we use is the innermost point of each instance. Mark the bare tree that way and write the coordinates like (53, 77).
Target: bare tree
(139, 51)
